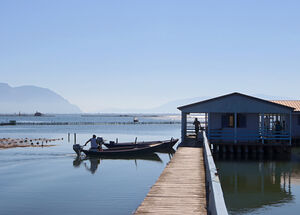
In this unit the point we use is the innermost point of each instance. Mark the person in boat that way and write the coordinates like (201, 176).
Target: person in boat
(196, 123)
(96, 144)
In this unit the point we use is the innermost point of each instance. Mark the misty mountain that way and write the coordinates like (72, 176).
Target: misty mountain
(28, 99)
(171, 107)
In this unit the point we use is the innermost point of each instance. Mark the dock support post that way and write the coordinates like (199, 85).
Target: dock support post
(263, 128)
(224, 149)
(270, 151)
(74, 138)
(235, 128)
(254, 151)
(246, 149)
(215, 148)
(291, 128)
(208, 126)
(231, 149)
(260, 150)
(238, 150)
(183, 125)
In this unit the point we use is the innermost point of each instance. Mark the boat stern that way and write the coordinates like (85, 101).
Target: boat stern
(77, 148)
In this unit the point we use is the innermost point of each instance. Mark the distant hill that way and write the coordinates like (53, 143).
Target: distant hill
(171, 107)
(28, 99)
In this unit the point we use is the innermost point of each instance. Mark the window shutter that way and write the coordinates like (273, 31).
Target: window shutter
(225, 120)
(242, 121)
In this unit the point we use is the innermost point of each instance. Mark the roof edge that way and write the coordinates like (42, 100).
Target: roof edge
(231, 94)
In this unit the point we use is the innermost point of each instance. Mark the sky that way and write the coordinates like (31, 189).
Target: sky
(140, 54)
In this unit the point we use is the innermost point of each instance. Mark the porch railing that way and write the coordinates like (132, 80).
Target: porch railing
(244, 135)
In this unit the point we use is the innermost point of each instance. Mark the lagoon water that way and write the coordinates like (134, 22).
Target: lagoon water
(51, 180)
(268, 187)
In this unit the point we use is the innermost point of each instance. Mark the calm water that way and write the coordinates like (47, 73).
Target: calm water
(52, 181)
(261, 187)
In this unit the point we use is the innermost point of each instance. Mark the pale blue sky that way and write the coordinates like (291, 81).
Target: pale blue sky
(141, 54)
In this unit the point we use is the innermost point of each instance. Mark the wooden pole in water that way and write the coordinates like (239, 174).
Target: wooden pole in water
(68, 137)
(135, 140)
(74, 138)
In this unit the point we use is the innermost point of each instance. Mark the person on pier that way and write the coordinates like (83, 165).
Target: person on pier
(96, 144)
(197, 127)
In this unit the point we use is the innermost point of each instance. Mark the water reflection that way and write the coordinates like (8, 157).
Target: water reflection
(94, 162)
(251, 185)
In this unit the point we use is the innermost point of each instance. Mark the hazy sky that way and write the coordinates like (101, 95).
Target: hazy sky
(141, 54)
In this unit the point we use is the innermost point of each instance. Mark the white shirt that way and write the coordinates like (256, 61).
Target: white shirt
(94, 143)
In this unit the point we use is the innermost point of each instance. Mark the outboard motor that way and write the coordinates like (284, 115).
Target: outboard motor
(99, 140)
(77, 148)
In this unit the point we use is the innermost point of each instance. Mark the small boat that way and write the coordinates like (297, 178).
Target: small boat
(38, 113)
(118, 151)
(165, 144)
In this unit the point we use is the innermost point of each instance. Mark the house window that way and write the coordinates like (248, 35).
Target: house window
(241, 120)
(231, 121)
(228, 120)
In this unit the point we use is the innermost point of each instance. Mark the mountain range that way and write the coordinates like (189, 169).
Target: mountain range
(171, 107)
(28, 99)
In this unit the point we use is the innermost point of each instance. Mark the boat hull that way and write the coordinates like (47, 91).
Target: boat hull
(166, 144)
(118, 152)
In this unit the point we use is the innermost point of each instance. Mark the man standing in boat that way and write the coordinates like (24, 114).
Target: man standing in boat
(96, 144)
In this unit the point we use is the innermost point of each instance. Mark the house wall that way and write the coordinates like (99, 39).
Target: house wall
(252, 122)
(295, 125)
(250, 132)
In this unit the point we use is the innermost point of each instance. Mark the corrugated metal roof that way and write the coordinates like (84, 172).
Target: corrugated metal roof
(290, 103)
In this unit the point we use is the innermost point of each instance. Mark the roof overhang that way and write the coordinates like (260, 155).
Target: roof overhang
(235, 102)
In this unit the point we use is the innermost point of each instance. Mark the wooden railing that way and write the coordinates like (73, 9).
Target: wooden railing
(216, 203)
(218, 134)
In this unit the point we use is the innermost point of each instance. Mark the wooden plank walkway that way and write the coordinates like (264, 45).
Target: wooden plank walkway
(180, 189)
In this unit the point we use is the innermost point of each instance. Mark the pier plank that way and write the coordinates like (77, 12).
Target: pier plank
(180, 189)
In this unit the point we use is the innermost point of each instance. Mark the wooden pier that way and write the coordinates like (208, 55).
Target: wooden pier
(181, 188)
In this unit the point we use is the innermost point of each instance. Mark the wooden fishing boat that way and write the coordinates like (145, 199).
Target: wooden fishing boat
(119, 151)
(165, 144)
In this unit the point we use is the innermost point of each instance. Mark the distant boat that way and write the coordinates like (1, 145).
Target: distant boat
(38, 114)
(135, 119)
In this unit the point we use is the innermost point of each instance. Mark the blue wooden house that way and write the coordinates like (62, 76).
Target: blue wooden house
(239, 118)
